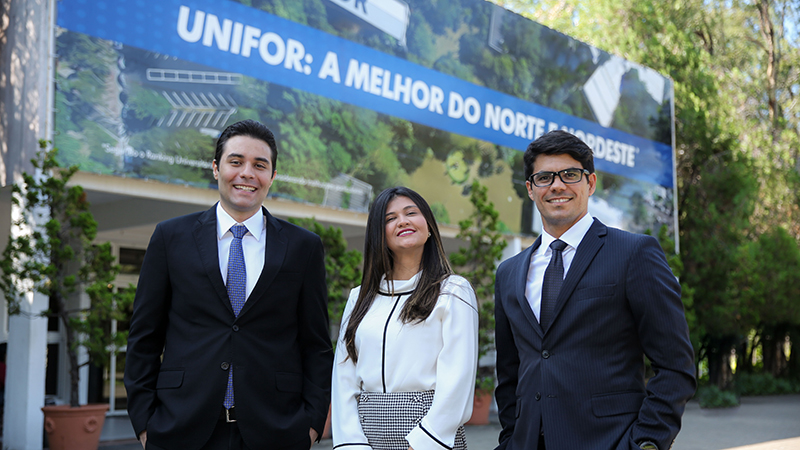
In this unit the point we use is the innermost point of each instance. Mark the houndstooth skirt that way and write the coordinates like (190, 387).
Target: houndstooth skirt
(388, 418)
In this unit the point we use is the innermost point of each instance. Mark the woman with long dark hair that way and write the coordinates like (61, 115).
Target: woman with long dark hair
(404, 371)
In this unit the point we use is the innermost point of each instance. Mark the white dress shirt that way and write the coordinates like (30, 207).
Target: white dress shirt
(253, 245)
(440, 353)
(541, 258)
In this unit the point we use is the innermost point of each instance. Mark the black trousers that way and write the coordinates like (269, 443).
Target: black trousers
(226, 436)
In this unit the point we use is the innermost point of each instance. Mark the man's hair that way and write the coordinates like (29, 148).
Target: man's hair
(558, 142)
(249, 128)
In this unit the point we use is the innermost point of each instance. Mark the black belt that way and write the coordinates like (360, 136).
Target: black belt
(228, 415)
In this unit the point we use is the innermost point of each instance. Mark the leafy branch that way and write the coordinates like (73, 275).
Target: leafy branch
(51, 252)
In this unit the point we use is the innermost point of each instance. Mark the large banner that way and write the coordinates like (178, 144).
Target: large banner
(362, 95)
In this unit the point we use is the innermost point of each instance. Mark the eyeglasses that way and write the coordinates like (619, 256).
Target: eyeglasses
(568, 176)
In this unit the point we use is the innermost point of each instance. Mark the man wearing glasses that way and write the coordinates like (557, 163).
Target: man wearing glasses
(577, 313)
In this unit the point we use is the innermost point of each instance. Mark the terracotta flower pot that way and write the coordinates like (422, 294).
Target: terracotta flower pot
(480, 408)
(74, 428)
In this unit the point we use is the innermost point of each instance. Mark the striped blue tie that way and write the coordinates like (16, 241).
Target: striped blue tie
(237, 291)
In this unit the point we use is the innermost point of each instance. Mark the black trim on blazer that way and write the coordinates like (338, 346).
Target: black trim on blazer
(392, 294)
(350, 444)
(434, 437)
(383, 349)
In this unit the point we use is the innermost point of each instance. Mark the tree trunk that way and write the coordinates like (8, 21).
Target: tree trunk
(744, 358)
(793, 364)
(773, 343)
(720, 373)
(72, 355)
(768, 35)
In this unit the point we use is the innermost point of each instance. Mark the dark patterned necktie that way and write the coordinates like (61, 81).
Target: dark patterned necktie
(236, 283)
(553, 277)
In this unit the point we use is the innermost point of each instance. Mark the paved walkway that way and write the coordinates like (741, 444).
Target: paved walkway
(760, 423)
(759, 420)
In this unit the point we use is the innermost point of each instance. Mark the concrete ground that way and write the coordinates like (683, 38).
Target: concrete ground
(760, 423)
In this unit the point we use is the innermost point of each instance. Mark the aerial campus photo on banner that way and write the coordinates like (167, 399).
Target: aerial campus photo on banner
(362, 95)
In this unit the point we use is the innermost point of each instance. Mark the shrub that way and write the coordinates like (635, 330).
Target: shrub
(714, 397)
(764, 384)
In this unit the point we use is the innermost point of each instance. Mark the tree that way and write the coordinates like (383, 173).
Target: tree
(735, 73)
(341, 268)
(769, 268)
(477, 263)
(58, 259)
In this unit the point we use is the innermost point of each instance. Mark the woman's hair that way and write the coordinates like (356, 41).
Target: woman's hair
(378, 260)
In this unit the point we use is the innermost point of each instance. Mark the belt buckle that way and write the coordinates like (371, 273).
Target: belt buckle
(228, 416)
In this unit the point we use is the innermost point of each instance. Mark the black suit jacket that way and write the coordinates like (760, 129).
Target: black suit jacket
(279, 344)
(583, 377)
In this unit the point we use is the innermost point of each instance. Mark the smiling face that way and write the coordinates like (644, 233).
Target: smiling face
(561, 205)
(406, 227)
(244, 174)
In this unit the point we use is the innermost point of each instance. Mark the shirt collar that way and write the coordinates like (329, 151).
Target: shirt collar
(396, 287)
(255, 224)
(573, 236)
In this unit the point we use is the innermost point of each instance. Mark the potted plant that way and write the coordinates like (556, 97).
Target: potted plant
(477, 263)
(54, 254)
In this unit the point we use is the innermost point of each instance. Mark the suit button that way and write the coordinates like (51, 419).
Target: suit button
(224, 366)
(236, 328)
(545, 354)
(538, 396)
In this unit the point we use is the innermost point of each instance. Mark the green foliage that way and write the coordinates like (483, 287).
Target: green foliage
(714, 397)
(676, 264)
(769, 268)
(52, 254)
(477, 263)
(421, 40)
(484, 383)
(186, 143)
(342, 267)
(146, 103)
(736, 119)
(764, 384)
(440, 213)
(88, 53)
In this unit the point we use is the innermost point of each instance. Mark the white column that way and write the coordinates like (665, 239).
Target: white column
(23, 421)
(26, 73)
(514, 246)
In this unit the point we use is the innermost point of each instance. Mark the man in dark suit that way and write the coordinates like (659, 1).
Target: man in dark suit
(575, 320)
(235, 301)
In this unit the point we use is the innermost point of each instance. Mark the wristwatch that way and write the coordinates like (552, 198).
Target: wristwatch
(648, 445)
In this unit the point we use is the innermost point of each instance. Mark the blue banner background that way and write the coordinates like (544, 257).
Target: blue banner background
(153, 25)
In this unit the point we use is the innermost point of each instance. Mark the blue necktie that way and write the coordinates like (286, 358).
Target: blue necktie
(553, 277)
(236, 284)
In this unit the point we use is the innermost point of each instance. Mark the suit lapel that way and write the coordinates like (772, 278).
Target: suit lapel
(591, 244)
(205, 237)
(274, 255)
(521, 283)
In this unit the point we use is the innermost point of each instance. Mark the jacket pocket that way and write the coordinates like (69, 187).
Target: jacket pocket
(169, 379)
(288, 382)
(616, 403)
(594, 292)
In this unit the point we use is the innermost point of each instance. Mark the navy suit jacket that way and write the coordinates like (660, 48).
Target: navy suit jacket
(279, 344)
(582, 379)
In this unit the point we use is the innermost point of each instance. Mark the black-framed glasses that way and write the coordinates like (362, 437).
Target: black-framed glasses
(568, 176)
